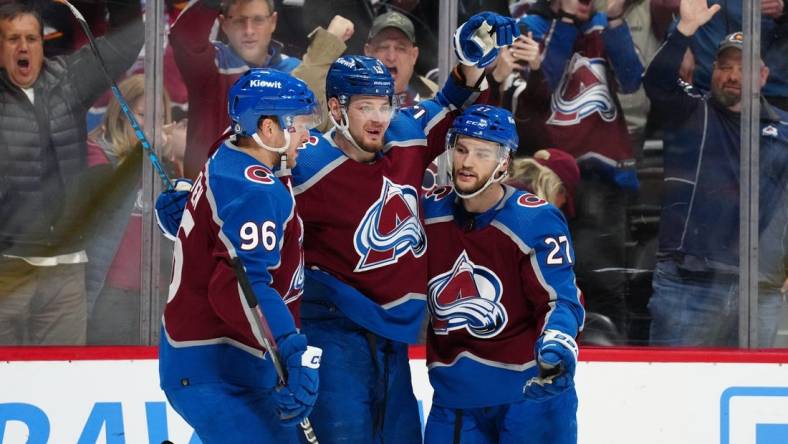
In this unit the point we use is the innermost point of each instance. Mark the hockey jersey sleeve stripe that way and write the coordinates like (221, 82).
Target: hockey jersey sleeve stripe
(472, 357)
(315, 178)
(404, 299)
(412, 143)
(438, 219)
(215, 341)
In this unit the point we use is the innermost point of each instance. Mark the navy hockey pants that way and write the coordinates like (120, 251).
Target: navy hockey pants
(526, 422)
(224, 413)
(365, 393)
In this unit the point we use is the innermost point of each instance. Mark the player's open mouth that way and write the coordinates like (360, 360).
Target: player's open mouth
(374, 133)
(392, 70)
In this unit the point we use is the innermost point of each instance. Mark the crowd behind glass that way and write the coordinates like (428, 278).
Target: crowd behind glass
(628, 123)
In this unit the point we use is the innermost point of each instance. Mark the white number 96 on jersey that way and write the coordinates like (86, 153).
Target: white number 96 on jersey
(253, 235)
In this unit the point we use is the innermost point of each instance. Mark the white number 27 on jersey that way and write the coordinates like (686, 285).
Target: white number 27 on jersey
(252, 235)
(555, 257)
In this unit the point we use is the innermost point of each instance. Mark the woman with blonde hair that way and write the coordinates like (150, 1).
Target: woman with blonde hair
(115, 247)
(551, 174)
(116, 137)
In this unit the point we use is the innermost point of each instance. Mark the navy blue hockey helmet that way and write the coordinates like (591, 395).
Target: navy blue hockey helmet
(358, 75)
(268, 92)
(487, 123)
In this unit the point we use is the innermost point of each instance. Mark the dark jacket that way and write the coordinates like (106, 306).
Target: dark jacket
(700, 211)
(44, 188)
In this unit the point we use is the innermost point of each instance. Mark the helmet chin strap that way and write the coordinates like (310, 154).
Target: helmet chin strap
(492, 179)
(280, 150)
(283, 170)
(344, 129)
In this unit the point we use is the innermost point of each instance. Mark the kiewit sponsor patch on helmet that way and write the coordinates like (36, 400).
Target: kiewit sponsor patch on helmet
(256, 83)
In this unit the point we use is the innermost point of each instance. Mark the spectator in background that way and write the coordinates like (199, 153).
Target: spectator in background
(635, 105)
(392, 40)
(773, 45)
(43, 177)
(115, 247)
(587, 57)
(551, 174)
(695, 300)
(209, 68)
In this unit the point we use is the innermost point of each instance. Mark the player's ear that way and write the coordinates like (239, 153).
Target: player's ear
(266, 127)
(334, 109)
(505, 166)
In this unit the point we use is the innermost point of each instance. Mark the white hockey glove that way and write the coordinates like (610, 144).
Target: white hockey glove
(476, 41)
(556, 356)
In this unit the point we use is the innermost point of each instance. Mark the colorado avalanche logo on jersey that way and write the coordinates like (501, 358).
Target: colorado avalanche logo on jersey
(296, 283)
(296, 288)
(438, 192)
(468, 296)
(259, 174)
(582, 92)
(529, 200)
(390, 228)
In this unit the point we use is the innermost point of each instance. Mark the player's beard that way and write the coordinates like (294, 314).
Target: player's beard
(480, 181)
(370, 146)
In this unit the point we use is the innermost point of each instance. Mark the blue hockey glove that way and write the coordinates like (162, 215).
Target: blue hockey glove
(296, 399)
(169, 207)
(476, 41)
(556, 356)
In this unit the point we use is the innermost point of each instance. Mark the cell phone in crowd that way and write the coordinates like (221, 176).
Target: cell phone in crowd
(521, 65)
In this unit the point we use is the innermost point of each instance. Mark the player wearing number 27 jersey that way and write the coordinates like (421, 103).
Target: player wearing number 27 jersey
(502, 298)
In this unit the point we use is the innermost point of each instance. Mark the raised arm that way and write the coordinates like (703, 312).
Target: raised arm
(325, 46)
(670, 98)
(119, 49)
(190, 39)
(620, 49)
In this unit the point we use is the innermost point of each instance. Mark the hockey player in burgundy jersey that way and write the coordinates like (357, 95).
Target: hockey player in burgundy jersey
(213, 366)
(502, 297)
(357, 188)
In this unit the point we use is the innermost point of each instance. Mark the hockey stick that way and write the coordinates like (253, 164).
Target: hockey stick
(124, 105)
(268, 338)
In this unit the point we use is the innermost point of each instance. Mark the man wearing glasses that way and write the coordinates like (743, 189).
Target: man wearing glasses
(209, 68)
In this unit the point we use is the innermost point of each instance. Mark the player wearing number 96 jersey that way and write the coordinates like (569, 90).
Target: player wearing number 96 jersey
(504, 306)
(213, 365)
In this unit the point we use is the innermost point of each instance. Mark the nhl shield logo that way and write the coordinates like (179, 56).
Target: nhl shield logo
(467, 296)
(390, 228)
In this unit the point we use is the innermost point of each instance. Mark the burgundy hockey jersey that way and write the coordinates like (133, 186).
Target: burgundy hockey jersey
(496, 281)
(237, 208)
